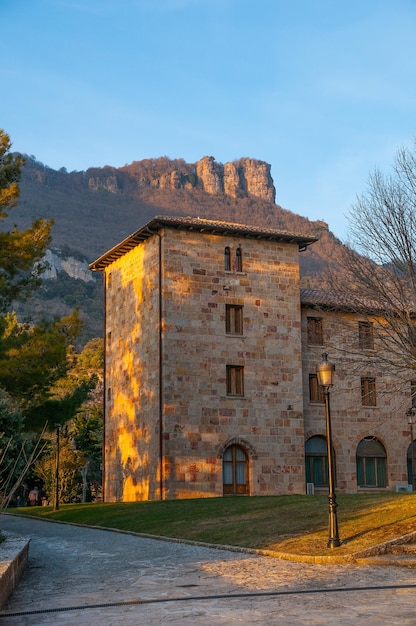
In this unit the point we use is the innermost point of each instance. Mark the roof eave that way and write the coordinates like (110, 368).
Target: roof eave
(194, 225)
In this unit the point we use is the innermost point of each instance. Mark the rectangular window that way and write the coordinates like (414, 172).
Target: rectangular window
(368, 392)
(371, 472)
(315, 331)
(235, 380)
(365, 335)
(233, 319)
(412, 339)
(413, 394)
(316, 392)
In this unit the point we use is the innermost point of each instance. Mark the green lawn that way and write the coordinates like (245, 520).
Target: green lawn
(292, 524)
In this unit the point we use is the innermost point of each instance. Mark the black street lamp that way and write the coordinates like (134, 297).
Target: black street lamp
(410, 421)
(325, 375)
(56, 495)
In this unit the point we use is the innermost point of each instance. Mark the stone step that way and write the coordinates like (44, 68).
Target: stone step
(387, 560)
(406, 548)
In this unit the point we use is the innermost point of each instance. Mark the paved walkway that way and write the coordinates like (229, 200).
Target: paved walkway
(91, 577)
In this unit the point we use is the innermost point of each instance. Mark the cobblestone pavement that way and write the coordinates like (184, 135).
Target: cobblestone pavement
(90, 577)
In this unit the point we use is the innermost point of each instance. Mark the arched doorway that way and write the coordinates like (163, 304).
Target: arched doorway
(235, 474)
(371, 463)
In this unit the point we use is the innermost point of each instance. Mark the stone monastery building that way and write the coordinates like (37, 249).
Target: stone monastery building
(210, 383)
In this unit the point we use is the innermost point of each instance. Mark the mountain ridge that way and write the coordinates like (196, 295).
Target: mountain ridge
(94, 210)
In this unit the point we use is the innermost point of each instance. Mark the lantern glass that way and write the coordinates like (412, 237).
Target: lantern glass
(325, 372)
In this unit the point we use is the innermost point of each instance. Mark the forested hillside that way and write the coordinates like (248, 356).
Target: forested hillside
(96, 209)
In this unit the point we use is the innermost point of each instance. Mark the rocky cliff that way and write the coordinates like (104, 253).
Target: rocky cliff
(56, 262)
(239, 179)
(243, 178)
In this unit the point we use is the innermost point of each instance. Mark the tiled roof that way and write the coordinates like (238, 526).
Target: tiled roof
(318, 297)
(199, 225)
(338, 301)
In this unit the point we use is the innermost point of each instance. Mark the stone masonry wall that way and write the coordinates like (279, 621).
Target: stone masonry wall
(274, 417)
(132, 376)
(351, 421)
(200, 420)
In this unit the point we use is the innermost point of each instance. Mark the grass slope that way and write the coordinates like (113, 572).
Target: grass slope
(292, 524)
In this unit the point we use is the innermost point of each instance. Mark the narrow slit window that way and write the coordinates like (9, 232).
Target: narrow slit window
(239, 260)
(227, 259)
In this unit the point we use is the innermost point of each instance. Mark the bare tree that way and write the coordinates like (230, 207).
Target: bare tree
(12, 482)
(376, 274)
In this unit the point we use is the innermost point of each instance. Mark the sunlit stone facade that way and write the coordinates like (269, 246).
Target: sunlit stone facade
(209, 356)
(173, 404)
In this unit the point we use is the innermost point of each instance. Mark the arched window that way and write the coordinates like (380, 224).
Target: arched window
(238, 260)
(235, 471)
(316, 459)
(227, 259)
(410, 462)
(371, 463)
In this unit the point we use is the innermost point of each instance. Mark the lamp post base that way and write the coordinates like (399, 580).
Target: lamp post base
(334, 540)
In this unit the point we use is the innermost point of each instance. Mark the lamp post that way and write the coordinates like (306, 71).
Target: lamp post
(56, 495)
(410, 420)
(325, 375)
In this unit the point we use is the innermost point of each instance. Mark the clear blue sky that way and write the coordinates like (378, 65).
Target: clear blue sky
(323, 90)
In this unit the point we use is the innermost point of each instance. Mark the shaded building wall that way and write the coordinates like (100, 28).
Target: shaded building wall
(351, 421)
